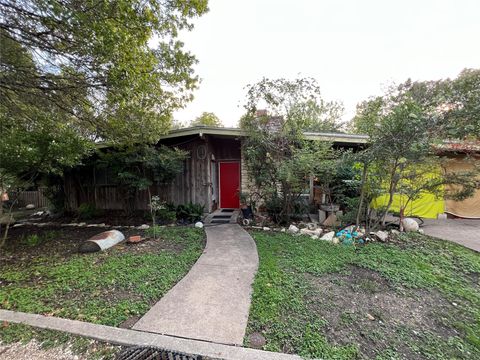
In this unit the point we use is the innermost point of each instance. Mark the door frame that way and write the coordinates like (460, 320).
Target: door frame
(220, 179)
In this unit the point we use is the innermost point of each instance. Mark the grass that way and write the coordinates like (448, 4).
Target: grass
(93, 350)
(105, 288)
(291, 312)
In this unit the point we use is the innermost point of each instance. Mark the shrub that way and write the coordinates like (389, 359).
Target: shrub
(87, 211)
(31, 240)
(190, 212)
(166, 216)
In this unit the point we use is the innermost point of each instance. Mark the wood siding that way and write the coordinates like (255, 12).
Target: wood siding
(194, 184)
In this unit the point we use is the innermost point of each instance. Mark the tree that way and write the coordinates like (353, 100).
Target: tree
(404, 130)
(207, 119)
(279, 158)
(101, 51)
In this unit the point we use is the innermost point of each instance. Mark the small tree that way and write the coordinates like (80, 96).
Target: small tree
(403, 132)
(279, 158)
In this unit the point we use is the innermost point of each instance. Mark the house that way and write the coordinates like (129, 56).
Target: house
(214, 174)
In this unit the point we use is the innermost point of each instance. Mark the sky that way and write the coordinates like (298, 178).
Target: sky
(354, 49)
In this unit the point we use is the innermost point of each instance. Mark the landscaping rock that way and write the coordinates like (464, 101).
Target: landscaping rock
(410, 225)
(292, 229)
(330, 220)
(266, 228)
(370, 317)
(316, 232)
(314, 237)
(335, 241)
(30, 207)
(394, 232)
(328, 236)
(382, 235)
(421, 231)
(312, 226)
(257, 340)
(199, 225)
(143, 227)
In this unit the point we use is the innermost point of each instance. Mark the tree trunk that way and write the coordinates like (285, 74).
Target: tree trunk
(362, 194)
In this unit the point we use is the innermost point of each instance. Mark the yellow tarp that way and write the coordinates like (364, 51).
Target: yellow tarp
(427, 206)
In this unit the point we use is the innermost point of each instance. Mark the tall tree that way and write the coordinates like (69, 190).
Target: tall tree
(101, 50)
(208, 119)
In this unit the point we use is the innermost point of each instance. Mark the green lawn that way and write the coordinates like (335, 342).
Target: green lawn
(413, 298)
(107, 287)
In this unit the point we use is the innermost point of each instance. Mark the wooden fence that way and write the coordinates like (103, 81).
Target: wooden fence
(36, 197)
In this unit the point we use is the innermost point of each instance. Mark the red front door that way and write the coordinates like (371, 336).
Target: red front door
(229, 184)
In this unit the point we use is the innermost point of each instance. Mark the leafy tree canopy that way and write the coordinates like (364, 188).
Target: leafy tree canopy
(450, 106)
(291, 105)
(76, 72)
(208, 119)
(101, 50)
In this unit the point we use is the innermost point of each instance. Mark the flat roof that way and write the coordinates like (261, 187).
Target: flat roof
(236, 132)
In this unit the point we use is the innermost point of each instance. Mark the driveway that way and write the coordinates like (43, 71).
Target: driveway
(462, 231)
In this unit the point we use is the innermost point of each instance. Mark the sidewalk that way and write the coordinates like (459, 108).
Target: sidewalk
(212, 301)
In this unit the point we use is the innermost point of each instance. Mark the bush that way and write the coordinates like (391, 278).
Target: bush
(87, 211)
(166, 216)
(190, 212)
(31, 240)
(34, 239)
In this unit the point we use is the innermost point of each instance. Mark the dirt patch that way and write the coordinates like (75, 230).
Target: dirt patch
(65, 241)
(365, 309)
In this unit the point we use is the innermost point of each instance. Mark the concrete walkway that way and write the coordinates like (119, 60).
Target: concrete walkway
(462, 231)
(212, 301)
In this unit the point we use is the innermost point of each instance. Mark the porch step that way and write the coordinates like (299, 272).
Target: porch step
(222, 216)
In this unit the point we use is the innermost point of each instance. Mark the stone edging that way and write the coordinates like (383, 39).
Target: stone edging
(127, 337)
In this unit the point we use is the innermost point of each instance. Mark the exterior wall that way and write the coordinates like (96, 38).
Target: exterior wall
(194, 184)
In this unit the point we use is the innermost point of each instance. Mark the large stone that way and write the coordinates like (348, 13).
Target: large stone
(410, 225)
(199, 225)
(328, 236)
(292, 229)
(143, 227)
(30, 207)
(382, 235)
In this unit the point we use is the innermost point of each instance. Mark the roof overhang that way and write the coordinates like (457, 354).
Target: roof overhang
(236, 132)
